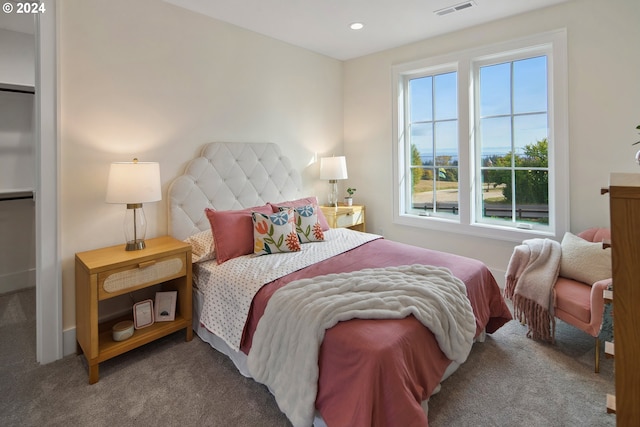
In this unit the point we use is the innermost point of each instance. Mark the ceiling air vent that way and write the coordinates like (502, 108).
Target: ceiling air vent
(455, 8)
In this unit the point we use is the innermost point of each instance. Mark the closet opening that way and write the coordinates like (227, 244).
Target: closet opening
(17, 187)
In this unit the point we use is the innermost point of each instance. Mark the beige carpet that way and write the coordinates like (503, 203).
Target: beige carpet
(508, 380)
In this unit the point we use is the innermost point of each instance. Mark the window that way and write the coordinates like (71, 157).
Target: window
(482, 140)
(433, 143)
(512, 141)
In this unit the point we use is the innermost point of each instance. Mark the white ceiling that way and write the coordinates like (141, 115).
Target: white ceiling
(323, 25)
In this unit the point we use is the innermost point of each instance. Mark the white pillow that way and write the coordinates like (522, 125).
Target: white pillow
(584, 261)
(202, 247)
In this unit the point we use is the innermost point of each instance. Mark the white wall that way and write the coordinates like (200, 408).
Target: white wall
(17, 70)
(17, 142)
(17, 245)
(604, 109)
(152, 80)
(17, 53)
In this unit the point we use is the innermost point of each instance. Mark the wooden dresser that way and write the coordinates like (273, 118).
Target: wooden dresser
(624, 202)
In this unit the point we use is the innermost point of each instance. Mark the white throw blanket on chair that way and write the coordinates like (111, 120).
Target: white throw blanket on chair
(284, 353)
(531, 275)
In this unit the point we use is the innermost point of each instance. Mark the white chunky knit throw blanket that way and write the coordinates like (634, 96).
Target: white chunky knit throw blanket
(284, 353)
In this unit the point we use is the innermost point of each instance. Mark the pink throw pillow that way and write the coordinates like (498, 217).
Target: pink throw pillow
(304, 202)
(233, 231)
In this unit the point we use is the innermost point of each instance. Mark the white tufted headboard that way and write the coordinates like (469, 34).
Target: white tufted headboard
(229, 175)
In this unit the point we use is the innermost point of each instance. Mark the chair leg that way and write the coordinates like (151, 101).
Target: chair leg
(597, 355)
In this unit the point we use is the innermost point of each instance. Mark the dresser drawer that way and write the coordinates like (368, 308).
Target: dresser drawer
(125, 279)
(350, 219)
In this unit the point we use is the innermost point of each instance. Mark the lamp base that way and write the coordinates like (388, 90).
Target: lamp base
(135, 245)
(135, 227)
(333, 193)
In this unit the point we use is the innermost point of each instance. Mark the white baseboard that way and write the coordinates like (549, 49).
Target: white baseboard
(69, 342)
(69, 345)
(17, 281)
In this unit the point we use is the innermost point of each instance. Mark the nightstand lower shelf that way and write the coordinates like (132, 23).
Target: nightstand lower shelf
(108, 348)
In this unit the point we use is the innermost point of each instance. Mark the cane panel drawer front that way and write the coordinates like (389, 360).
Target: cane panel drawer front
(350, 218)
(140, 274)
(345, 216)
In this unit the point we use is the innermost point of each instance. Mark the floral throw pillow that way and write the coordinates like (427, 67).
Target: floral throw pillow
(275, 233)
(307, 224)
(303, 202)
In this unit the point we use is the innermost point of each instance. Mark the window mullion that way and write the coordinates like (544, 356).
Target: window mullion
(406, 141)
(434, 181)
(513, 144)
(466, 135)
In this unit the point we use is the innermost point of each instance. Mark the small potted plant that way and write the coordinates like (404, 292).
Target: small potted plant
(348, 200)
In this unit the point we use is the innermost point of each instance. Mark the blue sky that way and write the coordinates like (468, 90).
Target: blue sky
(529, 82)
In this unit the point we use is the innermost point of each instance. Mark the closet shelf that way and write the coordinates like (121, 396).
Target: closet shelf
(16, 194)
(10, 87)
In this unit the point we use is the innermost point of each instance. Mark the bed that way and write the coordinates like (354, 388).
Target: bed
(371, 369)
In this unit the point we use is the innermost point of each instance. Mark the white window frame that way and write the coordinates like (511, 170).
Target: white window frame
(465, 62)
(430, 72)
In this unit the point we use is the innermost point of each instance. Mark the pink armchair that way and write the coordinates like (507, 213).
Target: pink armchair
(581, 304)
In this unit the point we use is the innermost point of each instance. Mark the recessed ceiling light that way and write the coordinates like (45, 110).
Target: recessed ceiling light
(356, 26)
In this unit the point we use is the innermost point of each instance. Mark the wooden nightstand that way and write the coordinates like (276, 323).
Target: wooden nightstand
(109, 272)
(345, 216)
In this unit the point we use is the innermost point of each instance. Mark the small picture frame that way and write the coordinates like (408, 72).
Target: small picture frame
(165, 307)
(143, 314)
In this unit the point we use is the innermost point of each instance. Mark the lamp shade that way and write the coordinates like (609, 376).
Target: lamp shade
(134, 182)
(333, 168)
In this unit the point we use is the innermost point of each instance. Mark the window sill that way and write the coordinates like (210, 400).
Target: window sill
(487, 231)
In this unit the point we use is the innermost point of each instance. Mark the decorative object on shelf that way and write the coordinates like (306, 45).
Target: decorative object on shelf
(143, 314)
(333, 169)
(122, 330)
(165, 306)
(348, 200)
(134, 183)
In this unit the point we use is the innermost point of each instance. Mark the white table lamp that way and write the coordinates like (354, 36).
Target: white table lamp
(134, 183)
(333, 169)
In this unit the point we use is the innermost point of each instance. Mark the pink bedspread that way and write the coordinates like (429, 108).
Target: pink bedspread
(377, 372)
